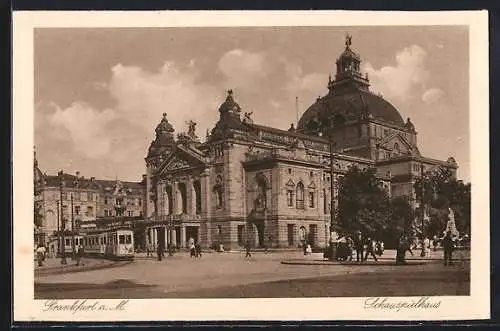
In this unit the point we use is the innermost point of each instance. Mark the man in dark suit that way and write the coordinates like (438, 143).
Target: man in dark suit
(448, 248)
(358, 244)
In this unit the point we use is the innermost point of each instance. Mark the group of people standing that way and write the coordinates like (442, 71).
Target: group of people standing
(363, 246)
(41, 254)
(195, 250)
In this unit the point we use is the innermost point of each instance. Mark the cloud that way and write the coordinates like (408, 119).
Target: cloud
(85, 127)
(142, 96)
(400, 81)
(432, 95)
(243, 69)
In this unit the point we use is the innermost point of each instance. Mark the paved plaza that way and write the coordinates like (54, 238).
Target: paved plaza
(228, 275)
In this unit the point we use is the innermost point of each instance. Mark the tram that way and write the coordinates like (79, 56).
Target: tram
(113, 243)
(68, 243)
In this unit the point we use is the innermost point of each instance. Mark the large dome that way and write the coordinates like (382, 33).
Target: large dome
(351, 104)
(349, 98)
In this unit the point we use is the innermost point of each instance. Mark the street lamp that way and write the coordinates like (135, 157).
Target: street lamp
(422, 212)
(63, 227)
(72, 230)
(331, 145)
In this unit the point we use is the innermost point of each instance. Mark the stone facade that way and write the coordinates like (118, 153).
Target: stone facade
(95, 203)
(271, 187)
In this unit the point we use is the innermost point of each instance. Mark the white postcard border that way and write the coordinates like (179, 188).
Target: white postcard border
(475, 306)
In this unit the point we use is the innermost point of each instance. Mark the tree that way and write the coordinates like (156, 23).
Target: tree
(363, 203)
(402, 216)
(443, 191)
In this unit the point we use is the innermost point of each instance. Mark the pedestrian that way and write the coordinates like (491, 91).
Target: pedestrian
(40, 255)
(308, 249)
(159, 252)
(197, 247)
(192, 250)
(379, 247)
(403, 245)
(358, 244)
(79, 255)
(350, 248)
(435, 243)
(448, 248)
(248, 254)
(427, 247)
(304, 247)
(370, 248)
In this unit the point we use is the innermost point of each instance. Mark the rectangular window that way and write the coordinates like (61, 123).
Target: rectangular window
(105, 201)
(83, 196)
(90, 211)
(311, 199)
(67, 242)
(313, 231)
(290, 233)
(289, 198)
(121, 239)
(140, 202)
(130, 213)
(128, 239)
(106, 213)
(77, 210)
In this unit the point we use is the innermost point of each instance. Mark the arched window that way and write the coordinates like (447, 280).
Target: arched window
(197, 193)
(218, 190)
(261, 199)
(396, 150)
(302, 233)
(170, 201)
(325, 202)
(183, 189)
(300, 195)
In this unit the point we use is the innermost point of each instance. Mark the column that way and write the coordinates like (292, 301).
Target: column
(155, 238)
(172, 235)
(167, 200)
(183, 236)
(189, 196)
(146, 232)
(166, 236)
(205, 208)
(174, 198)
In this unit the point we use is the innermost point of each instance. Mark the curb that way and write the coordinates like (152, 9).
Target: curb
(370, 263)
(75, 269)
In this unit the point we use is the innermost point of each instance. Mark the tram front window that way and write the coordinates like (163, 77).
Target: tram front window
(128, 239)
(121, 239)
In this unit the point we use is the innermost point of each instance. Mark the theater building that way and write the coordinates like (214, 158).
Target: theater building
(272, 187)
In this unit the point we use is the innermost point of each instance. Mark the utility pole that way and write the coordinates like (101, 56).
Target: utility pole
(63, 227)
(297, 112)
(58, 230)
(422, 211)
(332, 208)
(72, 230)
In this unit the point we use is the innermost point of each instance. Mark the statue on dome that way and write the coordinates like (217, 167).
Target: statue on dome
(191, 129)
(247, 119)
(348, 40)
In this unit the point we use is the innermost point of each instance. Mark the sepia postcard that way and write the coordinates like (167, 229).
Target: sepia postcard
(247, 165)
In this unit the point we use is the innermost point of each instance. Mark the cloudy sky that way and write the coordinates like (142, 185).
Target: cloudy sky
(99, 93)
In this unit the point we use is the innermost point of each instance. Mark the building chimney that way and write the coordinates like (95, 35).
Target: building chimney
(77, 173)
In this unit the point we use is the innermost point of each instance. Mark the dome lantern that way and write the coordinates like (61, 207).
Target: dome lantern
(349, 70)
